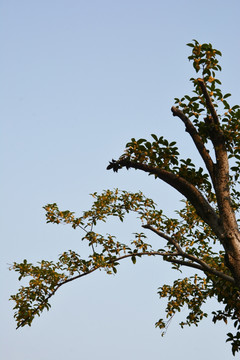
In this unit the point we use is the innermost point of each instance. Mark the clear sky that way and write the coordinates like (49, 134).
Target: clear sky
(78, 80)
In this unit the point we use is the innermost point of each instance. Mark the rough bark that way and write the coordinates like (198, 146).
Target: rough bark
(231, 235)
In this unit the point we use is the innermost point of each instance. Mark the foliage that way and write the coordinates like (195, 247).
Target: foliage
(199, 236)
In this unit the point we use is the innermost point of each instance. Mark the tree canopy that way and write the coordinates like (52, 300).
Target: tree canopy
(204, 235)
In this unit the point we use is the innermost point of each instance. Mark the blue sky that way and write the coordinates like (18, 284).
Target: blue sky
(79, 79)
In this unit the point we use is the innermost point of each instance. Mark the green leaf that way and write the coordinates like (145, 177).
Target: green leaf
(133, 258)
(154, 137)
(227, 95)
(140, 141)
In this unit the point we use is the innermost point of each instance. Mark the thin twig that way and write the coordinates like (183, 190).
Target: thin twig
(202, 265)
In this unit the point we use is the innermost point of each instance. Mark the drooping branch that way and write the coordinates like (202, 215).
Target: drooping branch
(203, 208)
(194, 261)
(91, 270)
(190, 128)
(168, 256)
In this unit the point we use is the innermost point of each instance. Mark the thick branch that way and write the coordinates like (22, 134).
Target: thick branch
(221, 184)
(203, 208)
(190, 128)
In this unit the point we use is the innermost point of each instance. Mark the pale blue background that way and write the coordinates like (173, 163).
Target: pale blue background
(78, 80)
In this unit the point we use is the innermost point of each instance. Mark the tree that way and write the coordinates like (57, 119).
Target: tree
(203, 236)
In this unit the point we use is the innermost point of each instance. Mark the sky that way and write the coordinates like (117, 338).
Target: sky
(79, 79)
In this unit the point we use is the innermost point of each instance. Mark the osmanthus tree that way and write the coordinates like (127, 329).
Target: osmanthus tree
(205, 233)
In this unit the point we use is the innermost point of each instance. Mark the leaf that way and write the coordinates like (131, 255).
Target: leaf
(227, 95)
(154, 137)
(133, 258)
(140, 141)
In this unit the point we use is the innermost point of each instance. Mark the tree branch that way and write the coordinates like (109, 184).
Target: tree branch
(110, 262)
(209, 103)
(185, 263)
(166, 237)
(203, 208)
(201, 265)
(221, 170)
(190, 128)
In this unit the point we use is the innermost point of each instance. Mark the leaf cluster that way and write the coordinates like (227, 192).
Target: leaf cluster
(191, 233)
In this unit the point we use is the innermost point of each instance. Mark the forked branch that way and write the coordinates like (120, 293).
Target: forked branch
(194, 261)
(203, 208)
